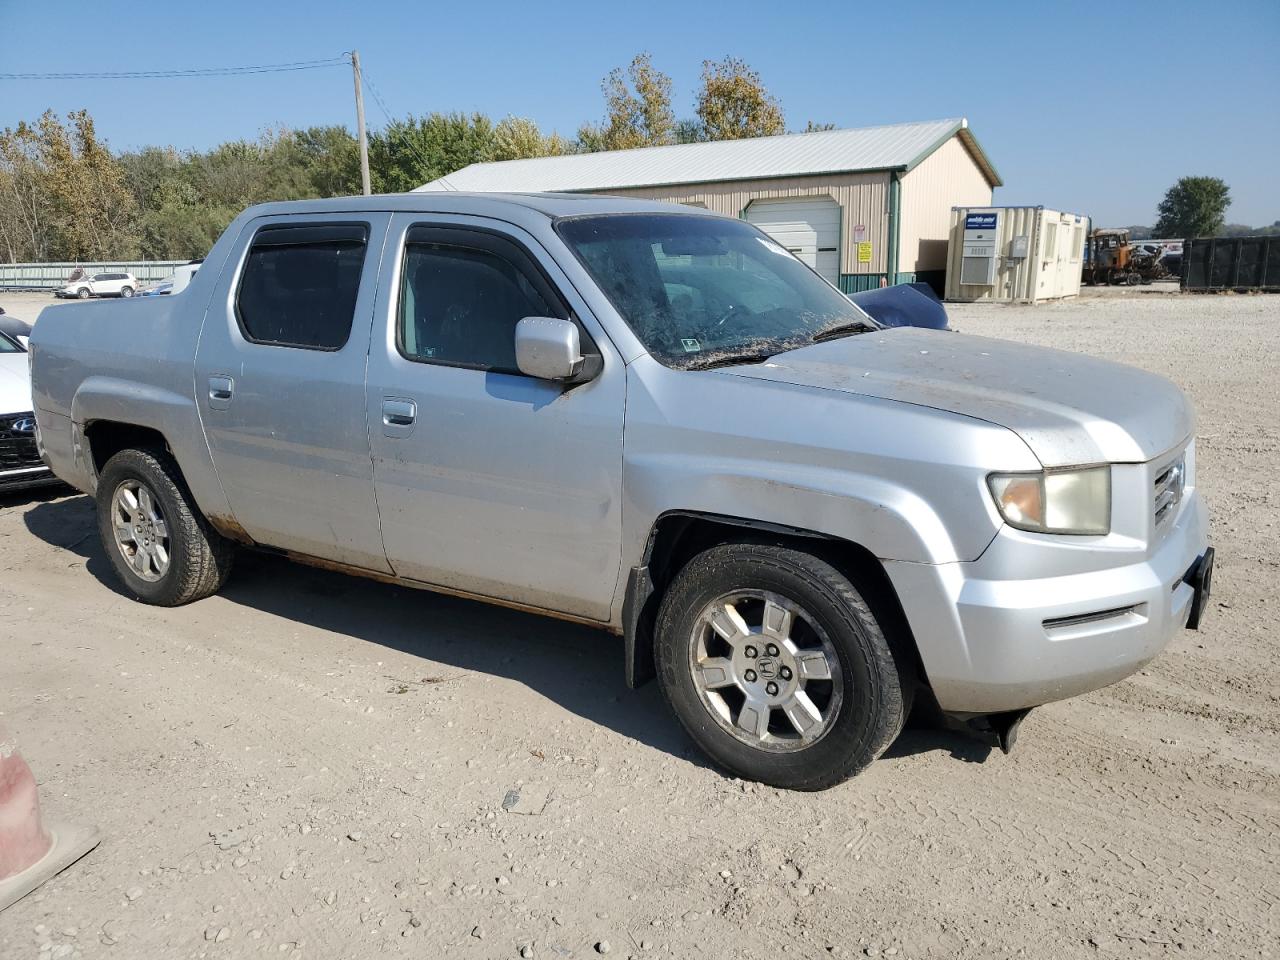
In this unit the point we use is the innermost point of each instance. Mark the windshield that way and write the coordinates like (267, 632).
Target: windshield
(702, 290)
(9, 346)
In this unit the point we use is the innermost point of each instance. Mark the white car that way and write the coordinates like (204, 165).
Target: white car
(20, 462)
(100, 285)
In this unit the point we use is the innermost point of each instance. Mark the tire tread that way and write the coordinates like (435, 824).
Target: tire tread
(890, 689)
(203, 562)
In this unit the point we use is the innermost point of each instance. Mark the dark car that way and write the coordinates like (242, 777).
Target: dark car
(904, 305)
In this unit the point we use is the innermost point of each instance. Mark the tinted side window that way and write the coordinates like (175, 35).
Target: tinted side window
(300, 283)
(460, 304)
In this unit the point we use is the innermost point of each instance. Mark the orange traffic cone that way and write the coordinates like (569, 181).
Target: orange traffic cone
(29, 853)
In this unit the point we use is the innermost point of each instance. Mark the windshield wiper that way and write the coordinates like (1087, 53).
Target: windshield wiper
(729, 360)
(843, 330)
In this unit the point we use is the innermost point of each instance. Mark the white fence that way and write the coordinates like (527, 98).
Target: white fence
(52, 276)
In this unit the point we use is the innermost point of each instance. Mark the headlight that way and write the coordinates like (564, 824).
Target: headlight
(1055, 501)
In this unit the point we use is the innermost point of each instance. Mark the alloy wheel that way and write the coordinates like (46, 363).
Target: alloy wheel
(141, 534)
(765, 670)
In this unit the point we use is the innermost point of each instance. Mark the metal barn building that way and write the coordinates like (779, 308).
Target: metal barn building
(863, 207)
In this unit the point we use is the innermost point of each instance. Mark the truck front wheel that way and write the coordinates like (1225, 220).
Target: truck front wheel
(162, 548)
(777, 667)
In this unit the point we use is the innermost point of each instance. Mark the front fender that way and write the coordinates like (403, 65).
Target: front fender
(888, 520)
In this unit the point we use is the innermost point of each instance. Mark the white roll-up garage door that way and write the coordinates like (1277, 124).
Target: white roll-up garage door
(808, 227)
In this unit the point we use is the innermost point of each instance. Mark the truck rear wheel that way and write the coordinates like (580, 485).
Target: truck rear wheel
(777, 667)
(160, 545)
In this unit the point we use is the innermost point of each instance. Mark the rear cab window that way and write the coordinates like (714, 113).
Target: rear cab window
(299, 284)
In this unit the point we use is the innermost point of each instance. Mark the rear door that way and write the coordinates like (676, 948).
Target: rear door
(489, 481)
(280, 383)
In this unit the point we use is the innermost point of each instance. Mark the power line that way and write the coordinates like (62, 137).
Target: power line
(392, 127)
(173, 74)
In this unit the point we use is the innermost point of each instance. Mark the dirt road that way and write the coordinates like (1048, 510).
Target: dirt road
(315, 765)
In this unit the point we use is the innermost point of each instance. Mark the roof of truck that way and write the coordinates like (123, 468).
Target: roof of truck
(548, 204)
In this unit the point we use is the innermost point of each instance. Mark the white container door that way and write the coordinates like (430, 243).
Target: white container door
(809, 228)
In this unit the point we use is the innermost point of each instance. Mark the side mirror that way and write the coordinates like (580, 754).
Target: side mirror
(549, 348)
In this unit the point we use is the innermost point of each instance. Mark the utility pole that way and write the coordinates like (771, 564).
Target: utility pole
(360, 128)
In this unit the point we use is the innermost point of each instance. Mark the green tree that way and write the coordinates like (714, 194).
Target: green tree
(733, 103)
(591, 139)
(414, 151)
(1194, 207)
(690, 130)
(331, 159)
(814, 127)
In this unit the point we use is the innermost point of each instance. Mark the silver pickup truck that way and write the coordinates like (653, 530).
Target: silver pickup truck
(651, 419)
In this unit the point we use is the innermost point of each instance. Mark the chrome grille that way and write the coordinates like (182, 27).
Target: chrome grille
(18, 442)
(1167, 491)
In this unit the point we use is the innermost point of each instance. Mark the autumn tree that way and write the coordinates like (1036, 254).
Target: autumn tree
(733, 103)
(91, 206)
(637, 109)
(516, 138)
(25, 206)
(1194, 207)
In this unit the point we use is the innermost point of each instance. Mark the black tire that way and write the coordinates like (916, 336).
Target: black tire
(83, 293)
(126, 292)
(199, 558)
(876, 689)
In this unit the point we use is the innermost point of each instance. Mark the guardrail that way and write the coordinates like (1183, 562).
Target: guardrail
(53, 276)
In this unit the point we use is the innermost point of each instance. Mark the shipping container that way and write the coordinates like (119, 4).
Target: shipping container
(1231, 263)
(1014, 254)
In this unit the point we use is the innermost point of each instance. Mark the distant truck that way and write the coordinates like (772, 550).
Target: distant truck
(1110, 258)
(656, 421)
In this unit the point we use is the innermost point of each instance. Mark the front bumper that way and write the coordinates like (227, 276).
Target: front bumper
(993, 638)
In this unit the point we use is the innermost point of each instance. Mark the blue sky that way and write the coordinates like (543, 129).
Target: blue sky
(1080, 109)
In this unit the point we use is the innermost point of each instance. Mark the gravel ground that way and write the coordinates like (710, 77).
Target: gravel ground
(316, 765)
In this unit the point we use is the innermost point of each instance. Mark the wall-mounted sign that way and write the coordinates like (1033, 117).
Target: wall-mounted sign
(864, 252)
(860, 232)
(980, 221)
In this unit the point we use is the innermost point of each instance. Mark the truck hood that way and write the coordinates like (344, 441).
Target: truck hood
(15, 384)
(1070, 409)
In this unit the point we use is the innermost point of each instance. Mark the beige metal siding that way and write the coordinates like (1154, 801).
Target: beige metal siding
(949, 177)
(863, 199)
(1052, 266)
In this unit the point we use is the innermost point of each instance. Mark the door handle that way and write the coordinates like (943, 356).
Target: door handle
(398, 413)
(220, 391)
